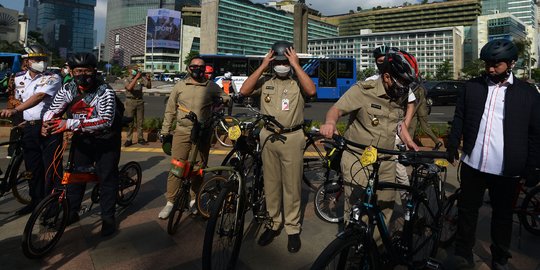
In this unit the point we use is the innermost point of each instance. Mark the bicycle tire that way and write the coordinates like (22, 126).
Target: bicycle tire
(315, 167)
(449, 219)
(224, 230)
(208, 194)
(19, 182)
(180, 206)
(329, 202)
(425, 237)
(529, 215)
(351, 252)
(130, 177)
(49, 216)
(222, 134)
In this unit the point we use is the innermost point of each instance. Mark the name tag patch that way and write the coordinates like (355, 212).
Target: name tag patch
(376, 106)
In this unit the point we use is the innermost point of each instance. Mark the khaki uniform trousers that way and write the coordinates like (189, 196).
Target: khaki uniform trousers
(352, 169)
(181, 149)
(282, 169)
(135, 109)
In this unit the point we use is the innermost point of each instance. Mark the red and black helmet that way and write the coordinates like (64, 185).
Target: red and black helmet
(401, 65)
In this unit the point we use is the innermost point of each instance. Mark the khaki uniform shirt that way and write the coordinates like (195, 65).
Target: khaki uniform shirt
(377, 118)
(191, 96)
(282, 99)
(137, 92)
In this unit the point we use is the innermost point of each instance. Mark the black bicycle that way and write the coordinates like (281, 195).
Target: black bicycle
(417, 242)
(48, 221)
(243, 191)
(12, 178)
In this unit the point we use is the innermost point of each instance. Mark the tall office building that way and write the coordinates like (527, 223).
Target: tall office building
(30, 10)
(67, 25)
(122, 14)
(242, 27)
(525, 10)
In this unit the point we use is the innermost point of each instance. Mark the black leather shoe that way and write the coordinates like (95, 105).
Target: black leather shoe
(267, 237)
(128, 143)
(25, 210)
(142, 142)
(294, 243)
(108, 226)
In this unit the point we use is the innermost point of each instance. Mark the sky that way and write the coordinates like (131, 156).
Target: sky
(336, 7)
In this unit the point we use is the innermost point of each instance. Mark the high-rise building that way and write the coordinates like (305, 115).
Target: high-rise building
(122, 14)
(9, 25)
(525, 10)
(30, 10)
(242, 27)
(67, 25)
(411, 17)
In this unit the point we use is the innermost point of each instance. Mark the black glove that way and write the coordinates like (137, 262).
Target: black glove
(453, 154)
(532, 177)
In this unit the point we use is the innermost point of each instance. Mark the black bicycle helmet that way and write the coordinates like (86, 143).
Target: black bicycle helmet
(82, 60)
(380, 51)
(279, 48)
(35, 50)
(401, 65)
(499, 50)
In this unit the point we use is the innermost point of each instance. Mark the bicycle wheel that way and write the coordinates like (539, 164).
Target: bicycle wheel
(449, 219)
(45, 226)
(316, 164)
(180, 206)
(221, 131)
(208, 194)
(225, 230)
(329, 202)
(19, 181)
(530, 211)
(130, 178)
(425, 234)
(350, 252)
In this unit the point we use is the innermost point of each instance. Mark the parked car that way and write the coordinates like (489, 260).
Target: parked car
(442, 92)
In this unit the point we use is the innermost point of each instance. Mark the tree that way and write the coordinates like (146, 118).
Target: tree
(424, 2)
(366, 73)
(190, 55)
(13, 47)
(358, 8)
(535, 74)
(444, 71)
(473, 69)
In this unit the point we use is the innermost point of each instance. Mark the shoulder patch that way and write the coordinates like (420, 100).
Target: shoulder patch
(369, 84)
(20, 73)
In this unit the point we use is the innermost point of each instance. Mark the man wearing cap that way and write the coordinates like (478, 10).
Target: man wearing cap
(134, 102)
(282, 96)
(35, 88)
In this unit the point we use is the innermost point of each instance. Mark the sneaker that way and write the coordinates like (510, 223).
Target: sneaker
(108, 226)
(166, 211)
(142, 142)
(193, 208)
(267, 236)
(294, 243)
(128, 143)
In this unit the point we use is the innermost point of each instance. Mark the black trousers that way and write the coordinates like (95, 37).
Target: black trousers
(104, 155)
(38, 153)
(502, 191)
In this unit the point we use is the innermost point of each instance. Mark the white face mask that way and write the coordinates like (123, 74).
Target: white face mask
(66, 71)
(39, 66)
(282, 70)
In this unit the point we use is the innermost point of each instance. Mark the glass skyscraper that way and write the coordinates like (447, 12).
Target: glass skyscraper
(67, 25)
(525, 10)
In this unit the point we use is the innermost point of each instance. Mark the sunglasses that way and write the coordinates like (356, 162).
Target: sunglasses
(193, 67)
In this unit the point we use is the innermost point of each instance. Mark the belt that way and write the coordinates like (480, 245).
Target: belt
(284, 130)
(33, 122)
(134, 98)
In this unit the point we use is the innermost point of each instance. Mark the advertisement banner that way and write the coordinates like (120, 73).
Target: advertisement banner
(163, 28)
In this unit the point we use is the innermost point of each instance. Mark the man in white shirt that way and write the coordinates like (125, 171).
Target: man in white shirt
(35, 88)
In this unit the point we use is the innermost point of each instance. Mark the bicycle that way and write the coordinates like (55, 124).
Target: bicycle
(243, 191)
(416, 243)
(191, 168)
(48, 221)
(12, 179)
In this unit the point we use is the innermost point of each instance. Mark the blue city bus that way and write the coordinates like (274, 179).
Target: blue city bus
(332, 76)
(9, 63)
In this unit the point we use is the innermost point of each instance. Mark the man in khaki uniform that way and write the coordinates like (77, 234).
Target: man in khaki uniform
(134, 101)
(380, 108)
(282, 97)
(196, 94)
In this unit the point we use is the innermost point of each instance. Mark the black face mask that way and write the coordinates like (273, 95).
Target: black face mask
(84, 81)
(499, 78)
(379, 66)
(197, 74)
(396, 92)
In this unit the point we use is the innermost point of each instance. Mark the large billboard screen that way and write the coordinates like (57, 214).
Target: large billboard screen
(163, 28)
